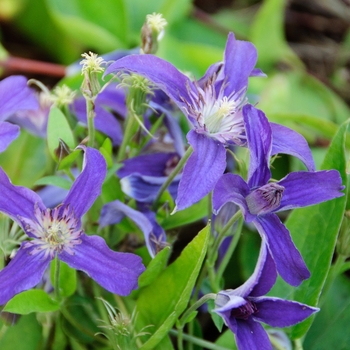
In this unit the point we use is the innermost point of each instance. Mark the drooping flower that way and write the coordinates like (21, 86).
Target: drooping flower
(213, 106)
(260, 199)
(15, 96)
(57, 232)
(245, 307)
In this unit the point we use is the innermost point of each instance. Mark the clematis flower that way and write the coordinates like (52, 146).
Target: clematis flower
(260, 199)
(213, 106)
(57, 232)
(245, 307)
(15, 96)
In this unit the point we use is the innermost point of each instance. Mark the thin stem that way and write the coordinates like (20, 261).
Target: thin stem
(57, 278)
(298, 344)
(90, 108)
(197, 341)
(172, 175)
(128, 133)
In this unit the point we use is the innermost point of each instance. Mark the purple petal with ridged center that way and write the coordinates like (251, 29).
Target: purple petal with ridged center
(232, 188)
(145, 188)
(277, 312)
(16, 200)
(288, 141)
(304, 188)
(239, 61)
(160, 72)
(16, 96)
(289, 263)
(116, 272)
(148, 164)
(8, 133)
(250, 335)
(23, 272)
(259, 137)
(202, 170)
(264, 276)
(104, 120)
(88, 184)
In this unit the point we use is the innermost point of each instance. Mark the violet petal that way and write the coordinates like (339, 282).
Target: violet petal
(116, 272)
(8, 133)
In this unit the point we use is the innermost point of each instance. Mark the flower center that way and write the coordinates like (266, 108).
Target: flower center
(265, 199)
(53, 231)
(244, 311)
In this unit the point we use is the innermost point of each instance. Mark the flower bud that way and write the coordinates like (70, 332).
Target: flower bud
(152, 32)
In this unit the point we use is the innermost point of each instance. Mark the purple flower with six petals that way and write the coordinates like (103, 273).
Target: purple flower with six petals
(58, 232)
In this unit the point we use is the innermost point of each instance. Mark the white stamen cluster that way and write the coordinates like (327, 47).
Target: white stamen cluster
(62, 96)
(92, 63)
(156, 22)
(53, 231)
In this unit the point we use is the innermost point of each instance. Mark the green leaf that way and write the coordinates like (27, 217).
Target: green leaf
(162, 302)
(53, 180)
(314, 231)
(68, 278)
(58, 128)
(34, 300)
(227, 339)
(68, 161)
(155, 267)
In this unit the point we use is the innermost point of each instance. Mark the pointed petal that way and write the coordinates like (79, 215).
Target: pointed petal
(116, 272)
(23, 272)
(281, 313)
(288, 141)
(16, 200)
(304, 188)
(87, 186)
(259, 137)
(202, 170)
(240, 59)
(8, 132)
(256, 72)
(289, 263)
(160, 72)
(251, 335)
(231, 188)
(15, 96)
(264, 276)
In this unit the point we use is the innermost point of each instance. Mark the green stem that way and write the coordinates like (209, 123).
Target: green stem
(171, 177)
(298, 344)
(197, 341)
(128, 134)
(57, 278)
(226, 259)
(90, 108)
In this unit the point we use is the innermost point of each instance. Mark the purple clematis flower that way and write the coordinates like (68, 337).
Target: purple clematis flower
(58, 232)
(245, 307)
(15, 96)
(260, 199)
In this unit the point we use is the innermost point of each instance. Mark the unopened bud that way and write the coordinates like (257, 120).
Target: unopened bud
(152, 32)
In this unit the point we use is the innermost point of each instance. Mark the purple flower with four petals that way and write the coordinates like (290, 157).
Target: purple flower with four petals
(58, 232)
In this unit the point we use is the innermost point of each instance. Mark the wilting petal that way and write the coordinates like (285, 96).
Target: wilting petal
(259, 143)
(240, 59)
(231, 188)
(87, 186)
(250, 335)
(23, 272)
(16, 200)
(264, 276)
(15, 96)
(281, 313)
(304, 188)
(158, 71)
(289, 263)
(202, 170)
(8, 132)
(116, 272)
(288, 141)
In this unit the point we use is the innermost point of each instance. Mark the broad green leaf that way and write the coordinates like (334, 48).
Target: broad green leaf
(34, 300)
(68, 278)
(58, 128)
(30, 334)
(163, 301)
(314, 231)
(68, 161)
(330, 328)
(25, 160)
(227, 339)
(267, 34)
(194, 213)
(155, 267)
(53, 180)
